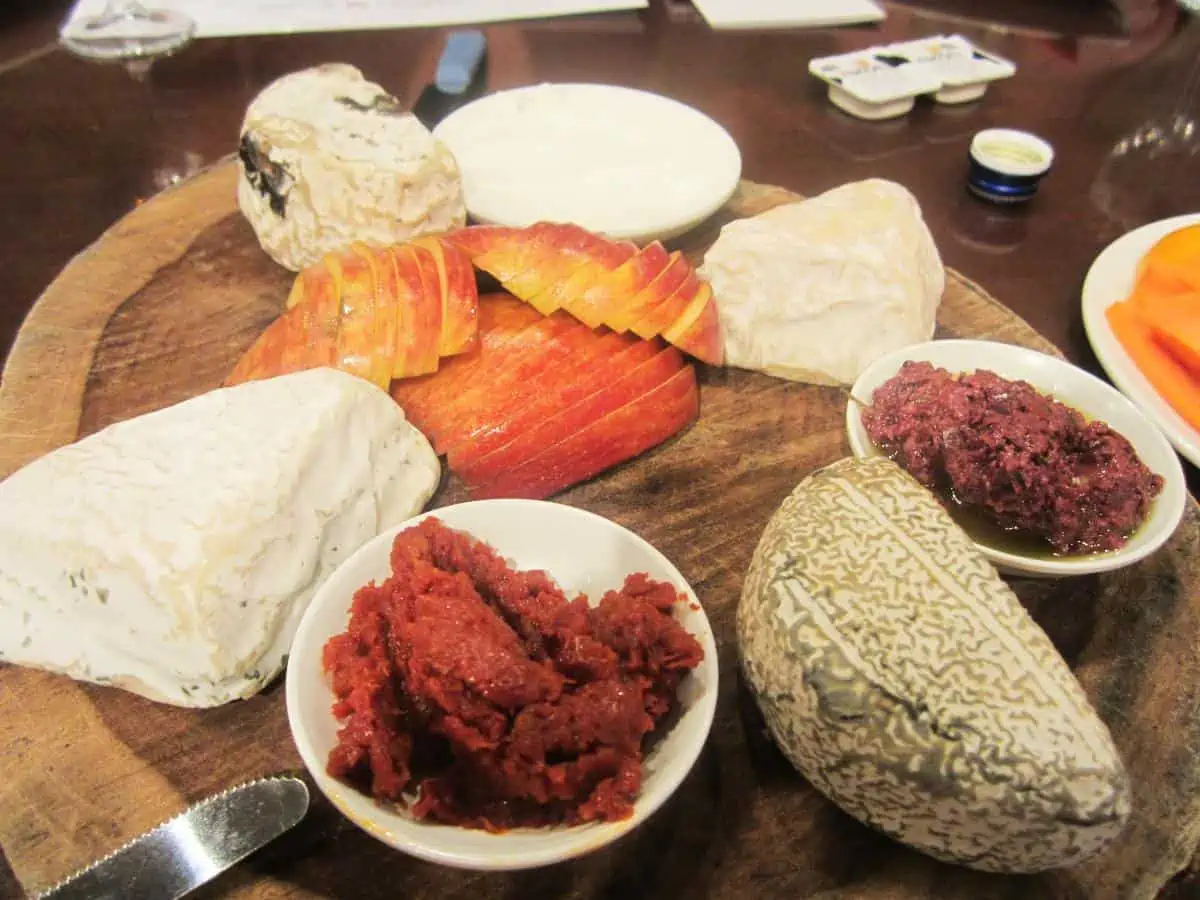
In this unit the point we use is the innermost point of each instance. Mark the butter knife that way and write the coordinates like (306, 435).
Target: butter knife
(194, 847)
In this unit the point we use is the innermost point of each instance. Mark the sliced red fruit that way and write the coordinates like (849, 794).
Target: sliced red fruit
(502, 320)
(264, 358)
(478, 239)
(543, 348)
(304, 337)
(659, 317)
(420, 330)
(467, 388)
(314, 343)
(509, 261)
(622, 434)
(607, 300)
(639, 380)
(428, 314)
(301, 287)
(382, 318)
(660, 289)
(506, 254)
(700, 298)
(535, 263)
(356, 339)
(546, 253)
(593, 289)
(594, 262)
(597, 360)
(408, 289)
(460, 297)
(700, 335)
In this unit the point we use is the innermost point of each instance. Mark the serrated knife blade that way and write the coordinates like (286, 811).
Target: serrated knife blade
(194, 847)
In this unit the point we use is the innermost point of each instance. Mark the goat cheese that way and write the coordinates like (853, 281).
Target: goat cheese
(819, 289)
(329, 158)
(173, 554)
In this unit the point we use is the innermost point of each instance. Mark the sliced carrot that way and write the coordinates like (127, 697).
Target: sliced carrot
(1179, 249)
(1160, 277)
(1175, 324)
(1171, 379)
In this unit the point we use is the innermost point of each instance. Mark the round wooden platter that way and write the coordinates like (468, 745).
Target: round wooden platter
(160, 308)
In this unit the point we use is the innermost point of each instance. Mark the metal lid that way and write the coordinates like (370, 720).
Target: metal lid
(1017, 154)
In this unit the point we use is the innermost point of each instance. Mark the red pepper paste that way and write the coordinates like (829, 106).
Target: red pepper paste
(493, 698)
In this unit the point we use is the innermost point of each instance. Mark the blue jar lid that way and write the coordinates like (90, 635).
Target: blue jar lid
(1006, 165)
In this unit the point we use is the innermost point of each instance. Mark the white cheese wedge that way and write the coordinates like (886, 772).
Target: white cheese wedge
(173, 554)
(329, 158)
(818, 289)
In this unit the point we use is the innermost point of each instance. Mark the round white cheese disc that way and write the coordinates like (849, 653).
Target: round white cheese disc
(625, 163)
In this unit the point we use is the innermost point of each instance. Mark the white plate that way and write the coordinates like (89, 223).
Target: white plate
(621, 162)
(1109, 280)
(1069, 385)
(583, 552)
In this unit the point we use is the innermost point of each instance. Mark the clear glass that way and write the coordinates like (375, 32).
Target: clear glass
(1153, 172)
(128, 31)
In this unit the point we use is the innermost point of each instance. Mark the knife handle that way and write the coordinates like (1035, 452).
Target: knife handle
(460, 77)
(460, 61)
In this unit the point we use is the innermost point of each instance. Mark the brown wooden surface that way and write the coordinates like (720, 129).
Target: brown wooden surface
(82, 144)
(158, 310)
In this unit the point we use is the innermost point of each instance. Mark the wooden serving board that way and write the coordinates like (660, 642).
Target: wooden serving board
(159, 309)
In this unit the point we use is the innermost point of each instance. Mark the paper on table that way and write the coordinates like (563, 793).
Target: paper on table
(226, 18)
(787, 13)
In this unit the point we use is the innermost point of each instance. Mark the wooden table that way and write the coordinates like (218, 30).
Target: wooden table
(83, 144)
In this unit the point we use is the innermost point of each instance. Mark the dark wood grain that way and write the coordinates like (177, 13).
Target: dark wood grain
(84, 144)
(160, 308)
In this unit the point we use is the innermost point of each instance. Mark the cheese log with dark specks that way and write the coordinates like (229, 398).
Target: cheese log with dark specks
(328, 158)
(904, 679)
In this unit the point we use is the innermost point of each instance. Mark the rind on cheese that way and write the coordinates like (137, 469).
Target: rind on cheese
(174, 553)
(904, 679)
(818, 289)
(328, 158)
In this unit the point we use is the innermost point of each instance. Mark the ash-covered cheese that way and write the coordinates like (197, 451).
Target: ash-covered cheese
(904, 679)
(329, 158)
(173, 554)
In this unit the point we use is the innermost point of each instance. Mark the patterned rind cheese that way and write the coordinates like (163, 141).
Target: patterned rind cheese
(328, 158)
(904, 679)
(174, 553)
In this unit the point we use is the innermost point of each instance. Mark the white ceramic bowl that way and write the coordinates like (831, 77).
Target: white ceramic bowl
(1071, 386)
(583, 552)
(621, 162)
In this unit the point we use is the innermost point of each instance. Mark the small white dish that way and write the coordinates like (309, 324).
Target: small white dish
(621, 162)
(583, 552)
(1110, 280)
(1071, 386)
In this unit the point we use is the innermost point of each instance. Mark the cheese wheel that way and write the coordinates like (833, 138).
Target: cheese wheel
(174, 553)
(904, 679)
(329, 158)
